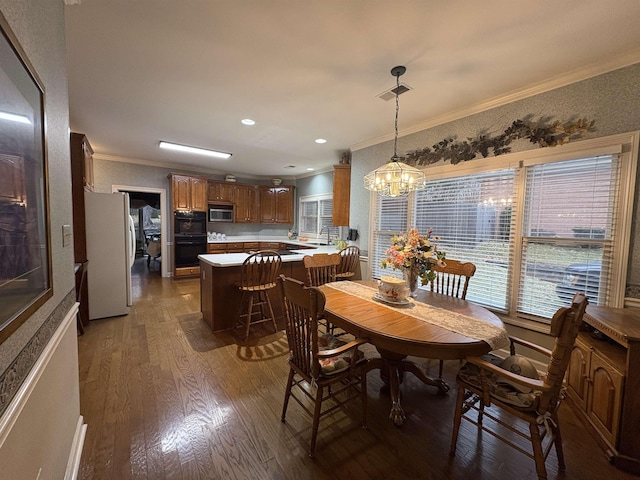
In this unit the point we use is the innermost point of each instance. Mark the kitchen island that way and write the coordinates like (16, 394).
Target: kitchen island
(220, 278)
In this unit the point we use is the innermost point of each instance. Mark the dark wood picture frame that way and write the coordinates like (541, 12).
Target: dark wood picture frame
(25, 237)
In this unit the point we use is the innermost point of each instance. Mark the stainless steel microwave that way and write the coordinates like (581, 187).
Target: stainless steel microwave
(221, 213)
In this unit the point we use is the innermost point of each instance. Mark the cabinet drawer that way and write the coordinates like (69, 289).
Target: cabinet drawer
(269, 245)
(187, 272)
(216, 247)
(235, 246)
(251, 246)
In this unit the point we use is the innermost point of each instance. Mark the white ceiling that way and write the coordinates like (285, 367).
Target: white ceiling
(188, 71)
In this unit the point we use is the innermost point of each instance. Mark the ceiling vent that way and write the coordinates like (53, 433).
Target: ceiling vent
(290, 166)
(389, 94)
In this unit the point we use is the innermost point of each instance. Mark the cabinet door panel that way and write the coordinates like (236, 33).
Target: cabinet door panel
(199, 187)
(181, 192)
(604, 398)
(577, 374)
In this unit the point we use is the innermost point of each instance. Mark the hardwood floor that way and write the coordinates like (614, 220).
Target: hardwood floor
(164, 398)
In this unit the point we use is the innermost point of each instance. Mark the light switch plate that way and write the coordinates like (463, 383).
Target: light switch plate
(67, 235)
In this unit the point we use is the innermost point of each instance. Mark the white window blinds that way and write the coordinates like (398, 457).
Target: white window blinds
(472, 215)
(392, 216)
(568, 233)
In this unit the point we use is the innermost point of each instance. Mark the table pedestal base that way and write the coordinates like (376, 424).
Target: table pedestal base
(392, 367)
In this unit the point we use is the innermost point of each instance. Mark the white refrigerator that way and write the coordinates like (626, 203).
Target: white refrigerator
(110, 251)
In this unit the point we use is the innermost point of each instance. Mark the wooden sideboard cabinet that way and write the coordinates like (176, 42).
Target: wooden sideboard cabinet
(189, 193)
(603, 382)
(276, 204)
(341, 195)
(221, 191)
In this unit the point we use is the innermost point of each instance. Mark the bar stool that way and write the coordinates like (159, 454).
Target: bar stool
(258, 275)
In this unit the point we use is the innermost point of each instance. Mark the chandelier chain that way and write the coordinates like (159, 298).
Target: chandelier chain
(395, 138)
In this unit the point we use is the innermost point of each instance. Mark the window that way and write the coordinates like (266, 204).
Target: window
(539, 225)
(315, 216)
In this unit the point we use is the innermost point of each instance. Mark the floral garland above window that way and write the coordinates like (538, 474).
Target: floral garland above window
(543, 133)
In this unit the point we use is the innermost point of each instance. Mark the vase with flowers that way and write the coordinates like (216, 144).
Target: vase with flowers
(415, 255)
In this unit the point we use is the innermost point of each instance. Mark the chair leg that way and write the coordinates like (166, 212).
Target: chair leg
(557, 438)
(287, 394)
(273, 317)
(457, 418)
(538, 455)
(316, 420)
(249, 311)
(363, 394)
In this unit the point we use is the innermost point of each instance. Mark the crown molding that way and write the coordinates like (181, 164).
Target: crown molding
(553, 83)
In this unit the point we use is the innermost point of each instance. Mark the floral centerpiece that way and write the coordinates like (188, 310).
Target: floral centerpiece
(415, 255)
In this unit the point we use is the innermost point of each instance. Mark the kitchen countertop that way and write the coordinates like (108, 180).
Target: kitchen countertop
(236, 259)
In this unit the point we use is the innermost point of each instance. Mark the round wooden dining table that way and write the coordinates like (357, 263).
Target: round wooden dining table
(397, 332)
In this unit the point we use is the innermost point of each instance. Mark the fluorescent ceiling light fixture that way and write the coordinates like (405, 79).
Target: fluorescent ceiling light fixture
(320, 140)
(309, 169)
(12, 117)
(247, 121)
(196, 150)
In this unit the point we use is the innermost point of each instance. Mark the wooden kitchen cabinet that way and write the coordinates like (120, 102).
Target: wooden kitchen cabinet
(189, 193)
(341, 195)
(603, 382)
(246, 201)
(81, 180)
(276, 204)
(221, 192)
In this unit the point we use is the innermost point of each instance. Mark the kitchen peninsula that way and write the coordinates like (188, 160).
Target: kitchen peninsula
(220, 277)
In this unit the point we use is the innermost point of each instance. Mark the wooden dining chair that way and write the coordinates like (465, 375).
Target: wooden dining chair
(452, 280)
(258, 275)
(349, 259)
(321, 268)
(486, 387)
(321, 367)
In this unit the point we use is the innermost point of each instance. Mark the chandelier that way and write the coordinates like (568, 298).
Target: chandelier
(395, 179)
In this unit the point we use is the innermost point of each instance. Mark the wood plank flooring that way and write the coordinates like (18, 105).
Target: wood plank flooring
(164, 398)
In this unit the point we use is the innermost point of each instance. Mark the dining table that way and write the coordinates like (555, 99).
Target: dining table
(429, 325)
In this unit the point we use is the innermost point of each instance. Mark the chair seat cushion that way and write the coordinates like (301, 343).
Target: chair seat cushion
(340, 363)
(500, 388)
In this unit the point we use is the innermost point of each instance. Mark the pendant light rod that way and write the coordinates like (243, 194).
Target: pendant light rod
(397, 72)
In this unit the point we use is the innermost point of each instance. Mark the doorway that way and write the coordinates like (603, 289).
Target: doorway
(150, 208)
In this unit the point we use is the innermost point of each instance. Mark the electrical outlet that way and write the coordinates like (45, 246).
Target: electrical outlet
(67, 235)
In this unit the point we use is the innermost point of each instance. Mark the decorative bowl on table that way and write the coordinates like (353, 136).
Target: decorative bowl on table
(393, 289)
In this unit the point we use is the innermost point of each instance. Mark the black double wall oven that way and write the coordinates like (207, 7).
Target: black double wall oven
(190, 237)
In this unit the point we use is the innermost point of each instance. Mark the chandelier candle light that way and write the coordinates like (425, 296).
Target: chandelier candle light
(415, 255)
(395, 179)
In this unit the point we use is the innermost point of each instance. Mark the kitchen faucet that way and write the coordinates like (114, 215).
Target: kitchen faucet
(328, 233)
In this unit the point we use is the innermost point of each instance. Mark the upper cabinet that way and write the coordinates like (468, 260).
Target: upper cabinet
(276, 204)
(246, 204)
(221, 192)
(341, 195)
(82, 161)
(189, 193)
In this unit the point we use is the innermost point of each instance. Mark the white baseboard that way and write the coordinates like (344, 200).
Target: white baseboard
(73, 465)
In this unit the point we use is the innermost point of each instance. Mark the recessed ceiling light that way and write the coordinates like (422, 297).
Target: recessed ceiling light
(248, 121)
(199, 151)
(320, 140)
(309, 169)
